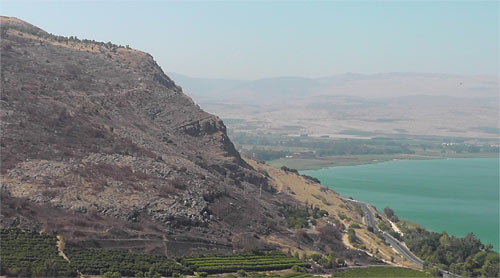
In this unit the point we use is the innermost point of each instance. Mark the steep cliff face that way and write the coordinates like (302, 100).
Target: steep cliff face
(100, 146)
(95, 129)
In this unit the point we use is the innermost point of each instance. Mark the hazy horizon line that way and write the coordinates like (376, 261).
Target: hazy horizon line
(334, 75)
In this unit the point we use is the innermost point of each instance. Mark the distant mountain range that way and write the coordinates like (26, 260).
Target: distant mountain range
(381, 85)
(385, 103)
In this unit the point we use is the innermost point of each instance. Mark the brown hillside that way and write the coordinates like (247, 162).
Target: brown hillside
(100, 146)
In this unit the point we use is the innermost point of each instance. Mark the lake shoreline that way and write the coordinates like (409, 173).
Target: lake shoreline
(306, 164)
(419, 192)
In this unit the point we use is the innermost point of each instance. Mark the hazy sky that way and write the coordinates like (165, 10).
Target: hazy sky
(249, 40)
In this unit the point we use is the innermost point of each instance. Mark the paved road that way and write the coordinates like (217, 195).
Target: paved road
(396, 244)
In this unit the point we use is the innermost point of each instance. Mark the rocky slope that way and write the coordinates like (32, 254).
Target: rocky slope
(100, 146)
(92, 127)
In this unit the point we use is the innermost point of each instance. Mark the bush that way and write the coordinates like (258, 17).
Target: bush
(296, 218)
(382, 226)
(316, 257)
(355, 226)
(359, 210)
(323, 213)
(242, 273)
(286, 169)
(395, 234)
(395, 219)
(352, 235)
(341, 262)
(388, 212)
(297, 268)
(202, 274)
(313, 179)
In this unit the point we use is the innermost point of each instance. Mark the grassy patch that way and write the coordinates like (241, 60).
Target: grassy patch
(381, 272)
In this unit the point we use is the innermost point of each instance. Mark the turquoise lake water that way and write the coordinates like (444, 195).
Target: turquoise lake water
(453, 195)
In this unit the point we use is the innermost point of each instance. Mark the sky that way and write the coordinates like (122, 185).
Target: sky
(261, 39)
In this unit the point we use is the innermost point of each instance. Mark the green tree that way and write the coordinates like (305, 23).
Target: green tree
(395, 219)
(444, 240)
(351, 235)
(388, 212)
(488, 247)
(52, 268)
(490, 269)
(296, 255)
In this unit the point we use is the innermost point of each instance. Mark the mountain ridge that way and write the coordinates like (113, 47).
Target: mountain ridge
(85, 122)
(347, 84)
(102, 148)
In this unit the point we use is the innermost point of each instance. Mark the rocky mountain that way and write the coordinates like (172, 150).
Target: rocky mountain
(99, 129)
(101, 147)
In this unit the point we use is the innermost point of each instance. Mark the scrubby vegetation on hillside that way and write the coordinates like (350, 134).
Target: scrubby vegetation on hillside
(298, 218)
(465, 256)
(32, 30)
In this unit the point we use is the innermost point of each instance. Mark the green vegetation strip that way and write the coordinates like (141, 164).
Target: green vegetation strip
(27, 253)
(251, 262)
(381, 272)
(269, 275)
(466, 256)
(98, 261)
